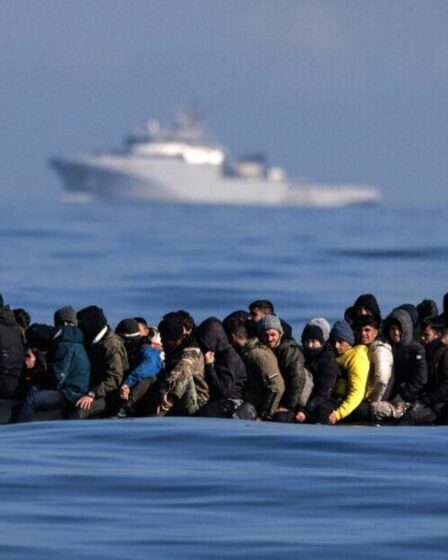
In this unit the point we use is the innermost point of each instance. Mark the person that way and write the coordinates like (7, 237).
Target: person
(23, 319)
(298, 381)
(145, 363)
(351, 385)
(12, 355)
(320, 361)
(67, 376)
(365, 304)
(379, 384)
(225, 373)
(182, 387)
(262, 307)
(432, 405)
(109, 362)
(410, 368)
(265, 385)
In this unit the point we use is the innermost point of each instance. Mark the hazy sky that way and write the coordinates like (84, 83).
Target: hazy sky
(333, 90)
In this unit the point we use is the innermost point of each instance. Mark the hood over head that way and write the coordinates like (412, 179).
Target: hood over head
(369, 301)
(212, 336)
(91, 320)
(403, 318)
(412, 310)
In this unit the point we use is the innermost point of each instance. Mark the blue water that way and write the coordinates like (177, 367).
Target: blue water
(196, 488)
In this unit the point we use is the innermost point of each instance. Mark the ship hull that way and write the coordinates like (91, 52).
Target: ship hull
(112, 176)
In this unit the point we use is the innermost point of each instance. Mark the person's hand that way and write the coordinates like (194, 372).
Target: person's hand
(209, 357)
(281, 409)
(332, 419)
(165, 405)
(300, 416)
(124, 392)
(85, 402)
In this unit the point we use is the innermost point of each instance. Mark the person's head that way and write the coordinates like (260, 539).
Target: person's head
(23, 318)
(432, 330)
(394, 331)
(366, 329)
(65, 316)
(92, 321)
(427, 308)
(128, 330)
(142, 326)
(341, 337)
(366, 304)
(271, 330)
(260, 308)
(312, 337)
(172, 331)
(187, 320)
(237, 332)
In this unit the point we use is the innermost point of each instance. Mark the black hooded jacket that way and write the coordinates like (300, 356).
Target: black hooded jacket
(227, 376)
(12, 354)
(436, 391)
(410, 369)
(325, 371)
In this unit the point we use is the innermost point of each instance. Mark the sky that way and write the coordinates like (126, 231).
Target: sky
(335, 91)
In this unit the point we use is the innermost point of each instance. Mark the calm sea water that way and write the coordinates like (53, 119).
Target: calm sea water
(195, 488)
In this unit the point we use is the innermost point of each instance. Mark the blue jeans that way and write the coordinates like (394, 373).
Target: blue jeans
(40, 399)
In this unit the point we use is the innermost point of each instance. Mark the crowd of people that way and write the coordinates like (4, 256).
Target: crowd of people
(246, 366)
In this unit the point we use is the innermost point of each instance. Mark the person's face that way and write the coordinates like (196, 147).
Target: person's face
(367, 334)
(172, 345)
(429, 334)
(256, 314)
(361, 311)
(272, 338)
(312, 344)
(394, 334)
(30, 359)
(144, 330)
(340, 346)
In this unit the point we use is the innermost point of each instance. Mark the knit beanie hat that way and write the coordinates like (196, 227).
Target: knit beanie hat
(323, 324)
(65, 314)
(172, 327)
(314, 332)
(343, 331)
(128, 329)
(270, 322)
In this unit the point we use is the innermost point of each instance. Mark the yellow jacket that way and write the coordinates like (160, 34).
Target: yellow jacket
(352, 385)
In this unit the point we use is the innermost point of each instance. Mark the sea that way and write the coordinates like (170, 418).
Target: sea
(192, 488)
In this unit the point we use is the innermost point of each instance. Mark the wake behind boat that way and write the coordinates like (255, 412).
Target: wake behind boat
(182, 164)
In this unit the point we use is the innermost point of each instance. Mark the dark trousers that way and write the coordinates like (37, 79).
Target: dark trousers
(41, 399)
(11, 387)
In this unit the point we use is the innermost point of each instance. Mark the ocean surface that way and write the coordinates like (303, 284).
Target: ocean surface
(205, 489)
